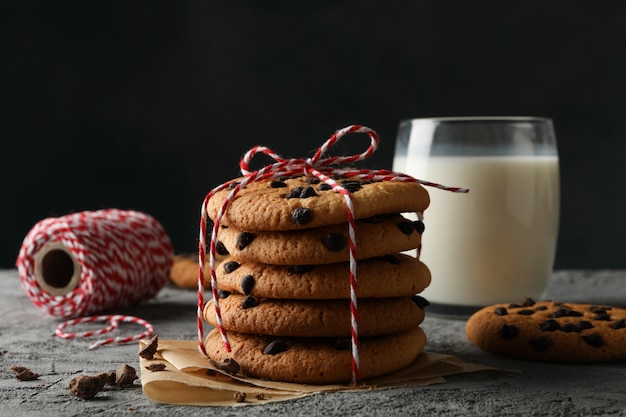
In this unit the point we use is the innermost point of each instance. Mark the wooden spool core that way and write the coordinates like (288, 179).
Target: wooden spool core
(56, 270)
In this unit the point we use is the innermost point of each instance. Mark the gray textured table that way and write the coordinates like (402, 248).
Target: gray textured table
(27, 339)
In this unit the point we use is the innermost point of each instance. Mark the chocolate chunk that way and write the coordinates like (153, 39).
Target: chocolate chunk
(594, 340)
(526, 312)
(390, 259)
(228, 365)
(508, 331)
(324, 187)
(406, 227)
(313, 180)
(550, 325)
(500, 311)
(125, 375)
(300, 269)
(223, 293)
(619, 324)
(308, 192)
(278, 184)
(249, 302)
(334, 242)
(301, 215)
(294, 192)
(342, 343)
(221, 249)
(275, 347)
(244, 239)
(584, 325)
(24, 374)
(150, 349)
(539, 344)
(230, 266)
(86, 387)
(247, 283)
(419, 226)
(420, 301)
(156, 367)
(570, 328)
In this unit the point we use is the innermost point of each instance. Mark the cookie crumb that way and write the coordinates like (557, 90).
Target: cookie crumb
(156, 367)
(260, 397)
(24, 374)
(240, 397)
(150, 349)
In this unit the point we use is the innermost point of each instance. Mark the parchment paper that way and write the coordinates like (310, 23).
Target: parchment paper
(185, 380)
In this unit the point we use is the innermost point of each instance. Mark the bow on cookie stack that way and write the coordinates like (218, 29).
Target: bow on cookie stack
(287, 302)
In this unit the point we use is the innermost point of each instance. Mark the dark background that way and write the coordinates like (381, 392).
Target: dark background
(148, 105)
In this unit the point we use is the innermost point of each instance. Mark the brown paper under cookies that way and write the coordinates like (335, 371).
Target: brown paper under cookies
(185, 380)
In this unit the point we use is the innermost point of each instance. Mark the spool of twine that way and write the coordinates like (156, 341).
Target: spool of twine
(88, 262)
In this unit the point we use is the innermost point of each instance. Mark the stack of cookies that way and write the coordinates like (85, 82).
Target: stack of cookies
(284, 279)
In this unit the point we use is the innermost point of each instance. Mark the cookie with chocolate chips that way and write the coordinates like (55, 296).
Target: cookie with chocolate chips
(551, 331)
(305, 202)
(315, 318)
(316, 360)
(375, 236)
(393, 275)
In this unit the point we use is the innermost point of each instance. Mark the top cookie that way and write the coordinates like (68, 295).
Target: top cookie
(305, 202)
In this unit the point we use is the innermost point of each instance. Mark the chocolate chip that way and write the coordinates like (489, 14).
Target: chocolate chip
(313, 180)
(335, 242)
(528, 302)
(584, 325)
(249, 302)
(223, 293)
(541, 308)
(539, 344)
(406, 227)
(508, 331)
(599, 310)
(500, 311)
(300, 269)
(570, 328)
(221, 249)
(244, 239)
(324, 187)
(247, 283)
(352, 186)
(602, 317)
(390, 259)
(342, 343)
(514, 305)
(526, 312)
(594, 340)
(419, 226)
(232, 185)
(420, 301)
(294, 193)
(619, 324)
(275, 347)
(278, 184)
(301, 215)
(550, 325)
(228, 365)
(230, 266)
(566, 312)
(308, 192)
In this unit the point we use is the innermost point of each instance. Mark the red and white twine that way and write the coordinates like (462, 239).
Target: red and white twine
(124, 257)
(323, 168)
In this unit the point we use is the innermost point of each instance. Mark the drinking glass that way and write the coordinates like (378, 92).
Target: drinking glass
(495, 244)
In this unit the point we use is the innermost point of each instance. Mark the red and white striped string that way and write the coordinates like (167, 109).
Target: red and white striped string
(323, 168)
(124, 258)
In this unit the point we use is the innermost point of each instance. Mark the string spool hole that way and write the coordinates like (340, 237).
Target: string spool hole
(56, 270)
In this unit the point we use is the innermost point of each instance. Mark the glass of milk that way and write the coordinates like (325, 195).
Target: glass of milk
(495, 244)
